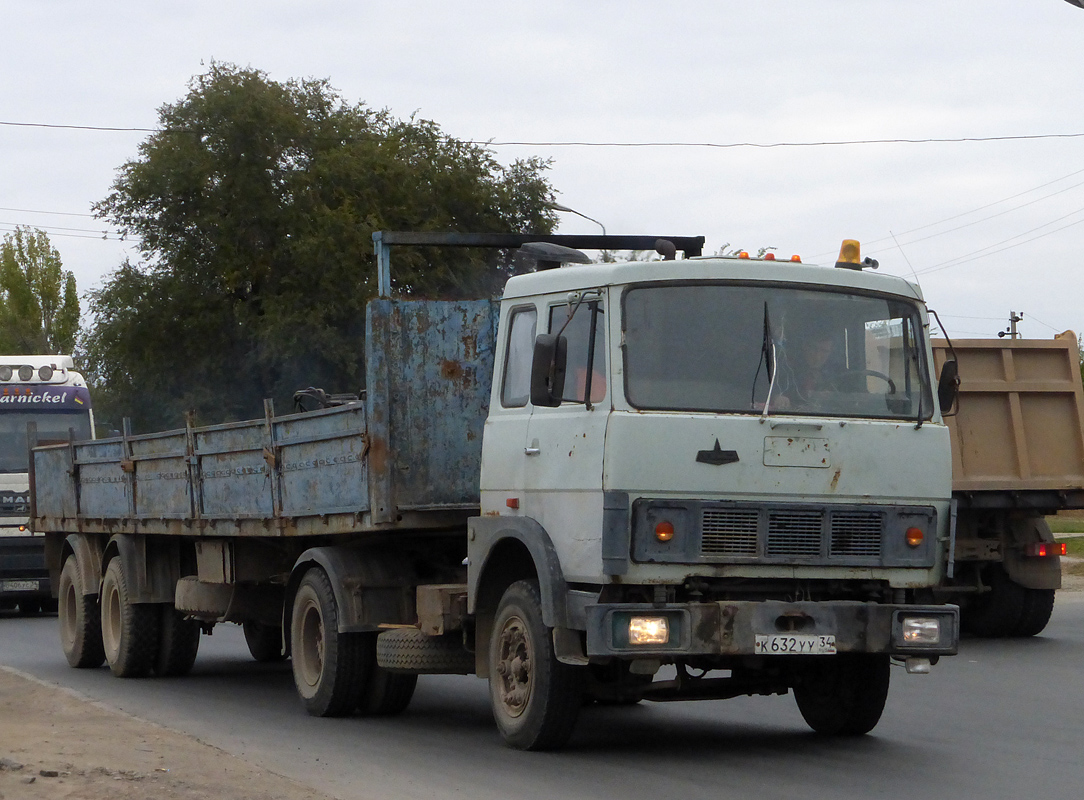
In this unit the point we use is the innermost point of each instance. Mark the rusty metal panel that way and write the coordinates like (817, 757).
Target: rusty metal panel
(159, 478)
(1020, 425)
(321, 461)
(429, 368)
(234, 477)
(54, 499)
(103, 489)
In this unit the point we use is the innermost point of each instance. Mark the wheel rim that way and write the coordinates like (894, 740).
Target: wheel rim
(68, 610)
(311, 659)
(111, 621)
(515, 658)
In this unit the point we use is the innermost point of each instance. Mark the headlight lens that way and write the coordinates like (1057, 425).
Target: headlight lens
(648, 630)
(921, 630)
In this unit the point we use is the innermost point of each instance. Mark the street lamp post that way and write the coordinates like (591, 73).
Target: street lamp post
(559, 207)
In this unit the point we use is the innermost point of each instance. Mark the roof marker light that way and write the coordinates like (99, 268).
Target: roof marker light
(796, 259)
(769, 256)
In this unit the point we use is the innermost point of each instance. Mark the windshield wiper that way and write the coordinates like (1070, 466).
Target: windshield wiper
(767, 357)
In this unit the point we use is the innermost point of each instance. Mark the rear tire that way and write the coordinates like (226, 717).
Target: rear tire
(329, 667)
(264, 642)
(80, 620)
(535, 698)
(178, 643)
(1038, 607)
(843, 695)
(385, 693)
(998, 612)
(129, 630)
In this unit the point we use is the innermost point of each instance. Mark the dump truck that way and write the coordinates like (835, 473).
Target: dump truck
(618, 482)
(47, 394)
(1017, 457)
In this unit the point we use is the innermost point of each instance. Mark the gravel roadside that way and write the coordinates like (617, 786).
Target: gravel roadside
(56, 744)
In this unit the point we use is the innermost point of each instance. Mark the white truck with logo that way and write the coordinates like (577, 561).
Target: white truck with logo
(46, 393)
(669, 480)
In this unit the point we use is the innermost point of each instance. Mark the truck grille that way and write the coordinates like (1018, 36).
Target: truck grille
(856, 533)
(790, 533)
(730, 532)
(13, 504)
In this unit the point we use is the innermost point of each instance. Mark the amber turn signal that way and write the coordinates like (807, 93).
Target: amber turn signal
(664, 531)
(915, 536)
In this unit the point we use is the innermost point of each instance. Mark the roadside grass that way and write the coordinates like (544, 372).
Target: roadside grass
(1074, 546)
(1066, 524)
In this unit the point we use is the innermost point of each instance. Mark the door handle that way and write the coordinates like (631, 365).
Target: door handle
(532, 451)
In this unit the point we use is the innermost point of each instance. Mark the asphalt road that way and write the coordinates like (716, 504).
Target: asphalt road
(1004, 719)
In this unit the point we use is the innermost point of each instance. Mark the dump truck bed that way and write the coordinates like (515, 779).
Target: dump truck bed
(1018, 436)
(407, 456)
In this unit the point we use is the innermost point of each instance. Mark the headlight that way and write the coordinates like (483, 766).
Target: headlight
(921, 630)
(648, 630)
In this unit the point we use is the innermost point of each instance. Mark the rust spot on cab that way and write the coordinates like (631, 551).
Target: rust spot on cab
(451, 370)
(835, 480)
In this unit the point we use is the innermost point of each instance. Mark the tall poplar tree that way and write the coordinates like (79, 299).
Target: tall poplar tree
(39, 304)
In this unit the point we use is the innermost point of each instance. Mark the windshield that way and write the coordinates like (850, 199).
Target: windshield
(52, 427)
(717, 347)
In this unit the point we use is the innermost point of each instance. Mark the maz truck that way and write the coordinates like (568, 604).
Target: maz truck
(46, 393)
(679, 479)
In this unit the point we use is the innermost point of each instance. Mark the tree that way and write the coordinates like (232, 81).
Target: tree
(39, 304)
(254, 206)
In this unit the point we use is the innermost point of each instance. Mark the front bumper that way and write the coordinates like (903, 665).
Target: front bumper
(730, 628)
(22, 567)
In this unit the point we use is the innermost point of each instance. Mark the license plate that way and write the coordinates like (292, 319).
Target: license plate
(18, 586)
(795, 644)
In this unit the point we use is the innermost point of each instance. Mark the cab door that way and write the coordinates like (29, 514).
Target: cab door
(563, 457)
(504, 440)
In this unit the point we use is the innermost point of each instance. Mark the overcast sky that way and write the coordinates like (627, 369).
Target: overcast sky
(987, 226)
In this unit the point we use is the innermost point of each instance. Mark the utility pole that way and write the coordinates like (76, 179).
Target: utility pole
(1011, 331)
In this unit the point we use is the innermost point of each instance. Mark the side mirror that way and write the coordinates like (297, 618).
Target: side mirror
(948, 386)
(548, 370)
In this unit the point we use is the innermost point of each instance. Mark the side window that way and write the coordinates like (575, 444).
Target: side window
(578, 332)
(516, 389)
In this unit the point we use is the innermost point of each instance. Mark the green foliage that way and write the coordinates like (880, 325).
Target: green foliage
(39, 304)
(255, 206)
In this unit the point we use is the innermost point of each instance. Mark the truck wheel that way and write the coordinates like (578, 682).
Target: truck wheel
(408, 649)
(1038, 606)
(178, 643)
(998, 612)
(843, 695)
(80, 620)
(329, 667)
(535, 698)
(129, 630)
(385, 693)
(264, 642)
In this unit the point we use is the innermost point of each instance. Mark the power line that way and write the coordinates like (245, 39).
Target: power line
(719, 145)
(75, 127)
(36, 211)
(7, 228)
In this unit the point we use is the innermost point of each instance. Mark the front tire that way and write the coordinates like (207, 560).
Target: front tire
(329, 667)
(535, 698)
(80, 620)
(129, 630)
(844, 694)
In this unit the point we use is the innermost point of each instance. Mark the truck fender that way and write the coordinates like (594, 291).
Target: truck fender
(372, 586)
(151, 567)
(88, 559)
(488, 539)
(1029, 572)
